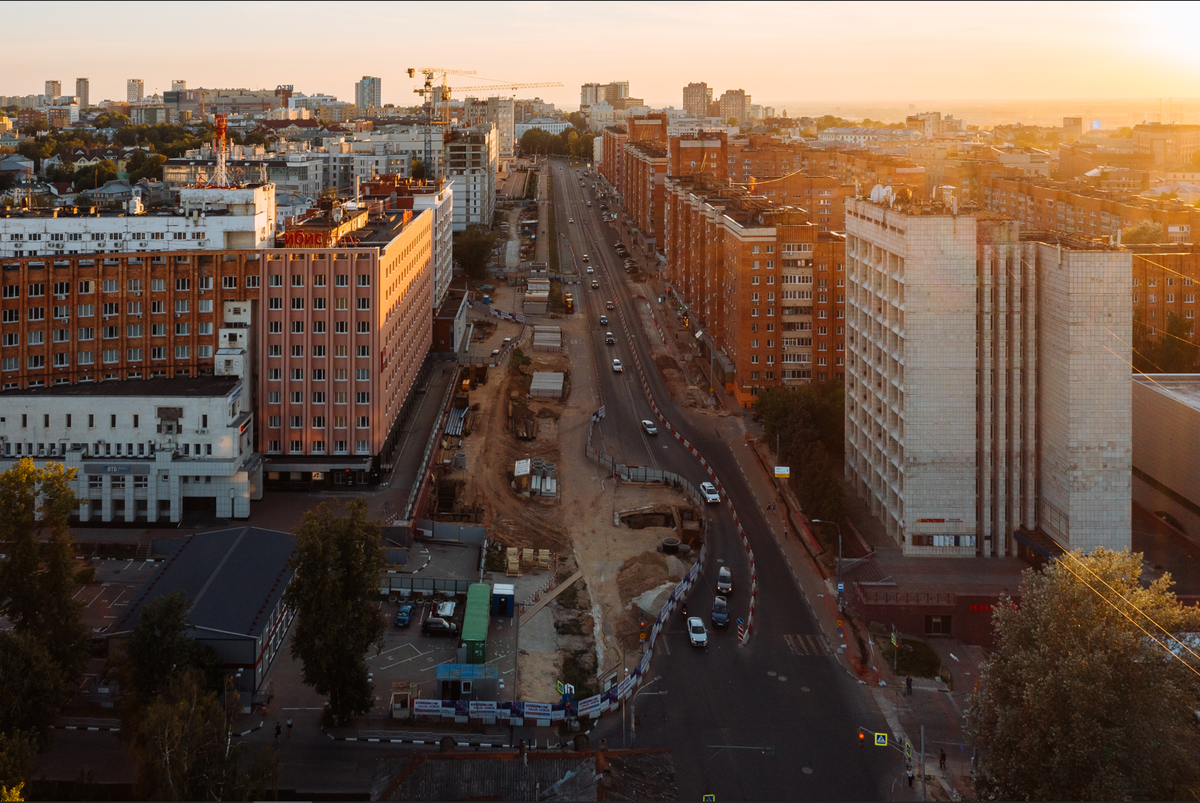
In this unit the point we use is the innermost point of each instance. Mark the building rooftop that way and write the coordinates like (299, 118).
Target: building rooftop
(1184, 388)
(191, 386)
(232, 578)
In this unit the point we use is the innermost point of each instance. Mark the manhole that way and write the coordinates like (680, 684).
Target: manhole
(772, 674)
(805, 688)
(806, 770)
(781, 677)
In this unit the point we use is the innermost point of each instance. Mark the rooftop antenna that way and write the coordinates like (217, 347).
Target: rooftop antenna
(220, 177)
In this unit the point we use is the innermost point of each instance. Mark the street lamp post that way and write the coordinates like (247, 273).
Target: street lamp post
(633, 710)
(839, 557)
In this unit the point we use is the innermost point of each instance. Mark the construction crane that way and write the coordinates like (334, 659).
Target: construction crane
(432, 94)
(441, 94)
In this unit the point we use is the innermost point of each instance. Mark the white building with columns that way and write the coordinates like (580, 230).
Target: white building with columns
(146, 450)
(988, 387)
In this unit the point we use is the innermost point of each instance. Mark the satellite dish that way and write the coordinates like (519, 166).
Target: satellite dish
(693, 163)
(877, 193)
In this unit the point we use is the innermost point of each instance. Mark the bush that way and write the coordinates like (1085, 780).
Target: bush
(916, 657)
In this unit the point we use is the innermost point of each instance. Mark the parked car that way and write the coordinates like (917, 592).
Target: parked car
(437, 626)
(720, 612)
(697, 635)
(709, 492)
(648, 425)
(404, 615)
(724, 580)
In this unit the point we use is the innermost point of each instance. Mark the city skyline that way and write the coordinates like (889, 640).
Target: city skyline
(901, 52)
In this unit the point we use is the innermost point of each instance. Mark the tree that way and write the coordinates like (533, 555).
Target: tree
(1143, 232)
(337, 565)
(1176, 351)
(34, 688)
(1079, 702)
(184, 750)
(144, 165)
(417, 169)
(38, 582)
(90, 178)
(472, 248)
(16, 764)
(160, 649)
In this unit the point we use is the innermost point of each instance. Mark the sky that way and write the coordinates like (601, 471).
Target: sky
(802, 55)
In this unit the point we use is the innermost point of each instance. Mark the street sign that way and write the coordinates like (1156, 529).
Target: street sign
(881, 740)
(708, 798)
(908, 748)
(895, 641)
(559, 687)
(841, 587)
(783, 471)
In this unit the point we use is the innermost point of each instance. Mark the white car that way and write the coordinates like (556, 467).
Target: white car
(570, 220)
(649, 427)
(697, 635)
(617, 367)
(590, 270)
(709, 492)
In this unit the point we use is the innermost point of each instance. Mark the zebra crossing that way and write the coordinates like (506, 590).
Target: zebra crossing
(806, 645)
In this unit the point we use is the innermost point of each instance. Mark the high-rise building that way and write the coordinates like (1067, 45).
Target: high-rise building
(134, 90)
(500, 112)
(368, 93)
(178, 85)
(590, 95)
(696, 99)
(735, 103)
(472, 157)
(83, 92)
(53, 90)
(987, 380)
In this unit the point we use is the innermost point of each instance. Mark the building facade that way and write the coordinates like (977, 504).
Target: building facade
(135, 90)
(987, 385)
(53, 91)
(144, 450)
(368, 93)
(697, 97)
(501, 114)
(472, 158)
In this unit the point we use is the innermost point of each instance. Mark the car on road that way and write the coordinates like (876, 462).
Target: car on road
(437, 626)
(617, 367)
(404, 615)
(585, 258)
(724, 581)
(570, 220)
(603, 320)
(609, 338)
(697, 635)
(589, 203)
(590, 269)
(648, 425)
(595, 284)
(709, 492)
(609, 305)
(720, 612)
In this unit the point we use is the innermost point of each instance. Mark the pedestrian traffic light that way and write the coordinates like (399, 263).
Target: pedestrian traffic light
(862, 739)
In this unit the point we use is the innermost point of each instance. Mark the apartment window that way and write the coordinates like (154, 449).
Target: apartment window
(206, 305)
(297, 280)
(229, 282)
(297, 374)
(318, 422)
(274, 374)
(362, 398)
(297, 351)
(318, 352)
(340, 351)
(182, 285)
(319, 280)
(363, 304)
(318, 374)
(182, 306)
(182, 329)
(342, 280)
(251, 281)
(158, 330)
(297, 327)
(134, 355)
(339, 422)
(37, 313)
(341, 303)
(1170, 298)
(12, 291)
(112, 355)
(37, 290)
(205, 328)
(275, 327)
(12, 315)
(318, 303)
(362, 351)
(183, 352)
(272, 446)
(158, 353)
(60, 336)
(362, 422)
(275, 303)
(362, 374)
(318, 398)
(275, 280)
(297, 303)
(318, 327)
(36, 338)
(157, 308)
(274, 350)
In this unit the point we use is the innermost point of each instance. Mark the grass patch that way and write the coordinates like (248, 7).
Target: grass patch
(519, 359)
(569, 597)
(916, 658)
(579, 671)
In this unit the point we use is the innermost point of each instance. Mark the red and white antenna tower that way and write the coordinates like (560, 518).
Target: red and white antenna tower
(220, 177)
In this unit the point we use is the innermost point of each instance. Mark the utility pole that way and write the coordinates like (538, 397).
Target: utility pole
(922, 762)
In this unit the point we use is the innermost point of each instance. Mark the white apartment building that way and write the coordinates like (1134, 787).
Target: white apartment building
(207, 219)
(472, 159)
(145, 450)
(987, 381)
(441, 204)
(547, 125)
(368, 92)
(135, 90)
(298, 173)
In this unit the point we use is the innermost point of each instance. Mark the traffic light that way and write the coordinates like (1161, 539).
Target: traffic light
(642, 622)
(862, 739)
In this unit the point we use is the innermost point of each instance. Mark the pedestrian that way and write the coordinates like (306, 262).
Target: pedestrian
(289, 724)
(278, 730)
(909, 771)
(942, 759)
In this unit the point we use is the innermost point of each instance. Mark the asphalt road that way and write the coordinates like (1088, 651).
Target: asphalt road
(779, 718)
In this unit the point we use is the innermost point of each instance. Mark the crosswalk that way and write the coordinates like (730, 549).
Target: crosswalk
(806, 645)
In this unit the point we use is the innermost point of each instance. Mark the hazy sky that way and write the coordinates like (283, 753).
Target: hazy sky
(783, 54)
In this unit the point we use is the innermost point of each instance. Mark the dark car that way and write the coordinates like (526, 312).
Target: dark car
(720, 612)
(404, 615)
(437, 626)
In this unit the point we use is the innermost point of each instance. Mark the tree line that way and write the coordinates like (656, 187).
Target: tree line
(569, 143)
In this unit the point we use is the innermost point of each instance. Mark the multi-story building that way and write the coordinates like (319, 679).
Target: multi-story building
(1165, 277)
(135, 90)
(211, 219)
(347, 324)
(500, 113)
(144, 450)
(697, 97)
(472, 158)
(735, 103)
(1169, 145)
(53, 91)
(1069, 208)
(300, 173)
(70, 318)
(396, 192)
(988, 380)
(642, 193)
(368, 93)
(83, 92)
(178, 85)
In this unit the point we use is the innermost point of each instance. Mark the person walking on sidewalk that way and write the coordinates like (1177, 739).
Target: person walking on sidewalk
(908, 770)
(278, 730)
(942, 759)
(289, 726)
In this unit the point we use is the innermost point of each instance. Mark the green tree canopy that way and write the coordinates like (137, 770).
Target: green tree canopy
(1143, 232)
(94, 176)
(807, 424)
(16, 763)
(35, 689)
(472, 248)
(184, 751)
(338, 564)
(159, 649)
(1079, 702)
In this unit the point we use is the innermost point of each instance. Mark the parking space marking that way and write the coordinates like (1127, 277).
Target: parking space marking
(117, 601)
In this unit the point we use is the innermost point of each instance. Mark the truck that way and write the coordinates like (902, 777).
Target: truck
(569, 302)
